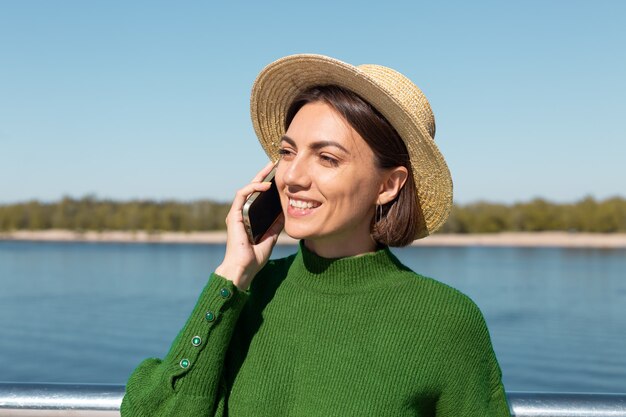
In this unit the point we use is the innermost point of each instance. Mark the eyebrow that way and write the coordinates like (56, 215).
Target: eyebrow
(316, 145)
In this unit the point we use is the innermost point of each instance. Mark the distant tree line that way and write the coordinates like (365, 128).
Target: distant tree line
(586, 215)
(89, 213)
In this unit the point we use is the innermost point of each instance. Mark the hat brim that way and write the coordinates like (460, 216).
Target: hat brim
(280, 82)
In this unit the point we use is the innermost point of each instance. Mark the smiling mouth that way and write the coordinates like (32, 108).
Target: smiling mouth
(301, 204)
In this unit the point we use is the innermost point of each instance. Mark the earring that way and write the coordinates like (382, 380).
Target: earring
(379, 213)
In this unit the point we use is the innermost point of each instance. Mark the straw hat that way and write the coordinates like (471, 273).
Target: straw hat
(391, 93)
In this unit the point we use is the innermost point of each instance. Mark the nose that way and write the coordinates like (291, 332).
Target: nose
(295, 172)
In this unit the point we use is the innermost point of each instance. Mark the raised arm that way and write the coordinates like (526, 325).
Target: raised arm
(188, 381)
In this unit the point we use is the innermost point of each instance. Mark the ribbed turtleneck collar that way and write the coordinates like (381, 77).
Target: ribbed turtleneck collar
(344, 275)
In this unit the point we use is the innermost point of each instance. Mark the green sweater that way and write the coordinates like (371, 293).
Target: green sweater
(357, 336)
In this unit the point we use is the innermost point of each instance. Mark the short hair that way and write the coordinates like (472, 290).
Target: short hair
(396, 223)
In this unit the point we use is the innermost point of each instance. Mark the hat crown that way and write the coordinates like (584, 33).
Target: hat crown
(408, 94)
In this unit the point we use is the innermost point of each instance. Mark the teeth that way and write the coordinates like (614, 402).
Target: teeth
(301, 204)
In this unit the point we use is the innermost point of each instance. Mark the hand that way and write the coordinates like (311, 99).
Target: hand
(244, 260)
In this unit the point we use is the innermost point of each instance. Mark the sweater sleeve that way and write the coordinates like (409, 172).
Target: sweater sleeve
(187, 382)
(474, 378)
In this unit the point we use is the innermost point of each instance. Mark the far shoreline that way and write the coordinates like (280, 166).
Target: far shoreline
(505, 239)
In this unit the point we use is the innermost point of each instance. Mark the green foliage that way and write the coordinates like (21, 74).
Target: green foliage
(88, 213)
(539, 215)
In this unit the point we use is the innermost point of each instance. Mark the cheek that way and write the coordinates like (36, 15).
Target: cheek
(351, 190)
(334, 184)
(344, 186)
(279, 179)
(284, 201)
(279, 174)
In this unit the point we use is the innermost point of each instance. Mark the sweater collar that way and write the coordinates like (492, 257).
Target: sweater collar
(344, 275)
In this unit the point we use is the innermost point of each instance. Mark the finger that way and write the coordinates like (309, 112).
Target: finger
(243, 193)
(263, 173)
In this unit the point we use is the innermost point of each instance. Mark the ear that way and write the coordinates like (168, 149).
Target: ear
(393, 181)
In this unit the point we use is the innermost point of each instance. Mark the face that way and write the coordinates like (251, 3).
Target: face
(328, 182)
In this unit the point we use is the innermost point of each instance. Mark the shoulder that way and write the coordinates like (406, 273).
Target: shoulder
(452, 322)
(440, 302)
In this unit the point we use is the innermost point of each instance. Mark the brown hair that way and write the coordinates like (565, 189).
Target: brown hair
(397, 222)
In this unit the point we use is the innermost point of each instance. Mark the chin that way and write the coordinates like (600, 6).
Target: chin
(299, 233)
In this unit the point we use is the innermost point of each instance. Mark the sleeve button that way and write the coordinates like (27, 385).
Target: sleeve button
(184, 363)
(196, 341)
(209, 316)
(225, 293)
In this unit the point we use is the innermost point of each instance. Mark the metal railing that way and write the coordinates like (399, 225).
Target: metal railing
(44, 400)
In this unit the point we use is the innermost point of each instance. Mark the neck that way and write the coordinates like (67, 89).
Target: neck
(340, 249)
(343, 275)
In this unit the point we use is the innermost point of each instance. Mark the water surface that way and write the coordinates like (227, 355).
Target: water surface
(90, 312)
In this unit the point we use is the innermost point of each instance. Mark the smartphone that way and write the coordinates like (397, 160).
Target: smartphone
(261, 210)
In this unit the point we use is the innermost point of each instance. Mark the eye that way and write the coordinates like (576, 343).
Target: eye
(285, 153)
(329, 160)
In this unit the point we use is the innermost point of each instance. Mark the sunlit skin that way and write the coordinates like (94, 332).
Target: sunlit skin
(329, 183)
(325, 164)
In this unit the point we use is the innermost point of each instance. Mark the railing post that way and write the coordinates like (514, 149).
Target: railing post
(44, 400)
(534, 404)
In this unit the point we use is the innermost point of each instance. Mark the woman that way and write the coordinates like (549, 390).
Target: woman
(341, 328)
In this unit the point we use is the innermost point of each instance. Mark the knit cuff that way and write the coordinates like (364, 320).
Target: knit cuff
(195, 361)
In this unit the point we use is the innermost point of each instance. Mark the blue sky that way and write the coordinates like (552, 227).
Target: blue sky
(150, 99)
